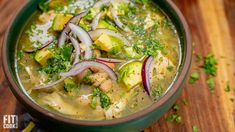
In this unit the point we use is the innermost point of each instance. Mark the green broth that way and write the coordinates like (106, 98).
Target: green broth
(91, 97)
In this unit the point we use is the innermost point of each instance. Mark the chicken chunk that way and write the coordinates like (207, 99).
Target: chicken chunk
(106, 85)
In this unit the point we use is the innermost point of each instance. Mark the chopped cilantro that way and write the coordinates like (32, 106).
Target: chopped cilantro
(20, 55)
(157, 92)
(44, 5)
(227, 88)
(152, 47)
(211, 84)
(69, 87)
(193, 77)
(210, 65)
(87, 78)
(185, 102)
(104, 99)
(60, 62)
(174, 118)
(170, 68)
(176, 107)
(195, 128)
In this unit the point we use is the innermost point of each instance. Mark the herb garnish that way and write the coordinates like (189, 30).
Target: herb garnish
(104, 99)
(193, 77)
(211, 84)
(210, 65)
(227, 88)
(195, 128)
(60, 62)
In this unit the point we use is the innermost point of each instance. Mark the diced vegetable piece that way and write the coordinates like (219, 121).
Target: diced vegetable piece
(131, 53)
(104, 24)
(69, 84)
(43, 55)
(60, 20)
(130, 74)
(109, 43)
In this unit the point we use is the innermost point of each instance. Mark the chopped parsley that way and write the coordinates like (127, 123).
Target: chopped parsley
(151, 47)
(193, 77)
(157, 92)
(211, 84)
(174, 118)
(195, 128)
(105, 101)
(20, 55)
(170, 68)
(60, 61)
(210, 65)
(227, 88)
(176, 107)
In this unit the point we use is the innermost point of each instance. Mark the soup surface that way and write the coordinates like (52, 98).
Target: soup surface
(97, 60)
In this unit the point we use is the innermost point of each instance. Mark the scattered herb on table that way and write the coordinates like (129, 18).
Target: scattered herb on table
(211, 84)
(227, 88)
(194, 77)
(185, 102)
(174, 118)
(195, 128)
(210, 65)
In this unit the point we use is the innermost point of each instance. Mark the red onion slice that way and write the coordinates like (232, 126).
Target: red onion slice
(109, 60)
(81, 66)
(83, 37)
(118, 22)
(76, 49)
(95, 21)
(147, 71)
(66, 29)
(43, 46)
(99, 31)
(51, 84)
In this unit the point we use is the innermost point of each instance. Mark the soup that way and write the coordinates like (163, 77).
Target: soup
(97, 60)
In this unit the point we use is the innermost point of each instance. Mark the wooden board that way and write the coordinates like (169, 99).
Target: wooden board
(212, 24)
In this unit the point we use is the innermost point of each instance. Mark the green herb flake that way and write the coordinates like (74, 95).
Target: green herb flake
(185, 102)
(157, 92)
(210, 65)
(176, 108)
(174, 118)
(211, 84)
(20, 55)
(105, 101)
(60, 61)
(170, 68)
(194, 77)
(195, 128)
(227, 88)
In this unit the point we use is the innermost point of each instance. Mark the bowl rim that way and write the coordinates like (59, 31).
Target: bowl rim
(24, 99)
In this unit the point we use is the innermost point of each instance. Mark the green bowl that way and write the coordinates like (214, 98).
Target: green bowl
(135, 122)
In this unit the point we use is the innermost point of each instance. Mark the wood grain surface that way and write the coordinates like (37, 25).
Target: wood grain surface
(212, 25)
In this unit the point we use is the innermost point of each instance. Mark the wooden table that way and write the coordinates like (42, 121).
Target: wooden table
(212, 24)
